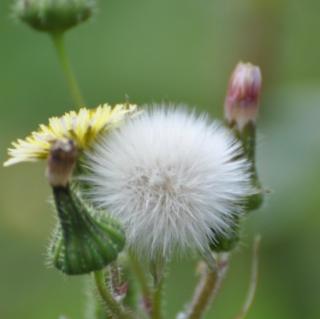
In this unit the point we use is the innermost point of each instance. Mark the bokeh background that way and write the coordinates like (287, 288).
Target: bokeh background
(179, 51)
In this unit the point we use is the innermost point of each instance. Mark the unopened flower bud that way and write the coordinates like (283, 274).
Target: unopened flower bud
(53, 15)
(61, 162)
(241, 111)
(242, 100)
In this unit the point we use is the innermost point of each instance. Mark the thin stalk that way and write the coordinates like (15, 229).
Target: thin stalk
(157, 268)
(143, 282)
(207, 288)
(253, 280)
(112, 305)
(58, 41)
(156, 311)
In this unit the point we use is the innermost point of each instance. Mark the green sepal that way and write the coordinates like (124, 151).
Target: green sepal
(226, 242)
(53, 15)
(255, 201)
(247, 137)
(85, 241)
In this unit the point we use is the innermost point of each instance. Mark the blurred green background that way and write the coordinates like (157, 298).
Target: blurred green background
(179, 51)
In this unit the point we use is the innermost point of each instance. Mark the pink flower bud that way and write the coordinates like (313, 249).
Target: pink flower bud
(242, 100)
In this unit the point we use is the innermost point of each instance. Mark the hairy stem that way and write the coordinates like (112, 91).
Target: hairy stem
(113, 306)
(58, 41)
(208, 287)
(115, 275)
(253, 279)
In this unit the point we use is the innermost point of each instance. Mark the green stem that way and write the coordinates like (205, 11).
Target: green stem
(58, 41)
(253, 280)
(156, 312)
(247, 136)
(112, 305)
(142, 278)
(157, 268)
(208, 288)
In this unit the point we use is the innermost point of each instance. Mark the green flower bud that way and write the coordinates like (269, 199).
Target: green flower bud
(53, 15)
(85, 241)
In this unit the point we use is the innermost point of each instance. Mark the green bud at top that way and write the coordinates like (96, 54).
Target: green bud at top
(85, 240)
(53, 15)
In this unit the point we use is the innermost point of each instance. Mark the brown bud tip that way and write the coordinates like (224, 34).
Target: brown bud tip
(61, 162)
(242, 100)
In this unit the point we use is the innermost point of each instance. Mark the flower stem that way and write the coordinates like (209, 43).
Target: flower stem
(157, 268)
(112, 305)
(253, 280)
(156, 311)
(58, 41)
(143, 281)
(207, 288)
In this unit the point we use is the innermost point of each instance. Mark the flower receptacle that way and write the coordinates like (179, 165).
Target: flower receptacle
(85, 241)
(53, 15)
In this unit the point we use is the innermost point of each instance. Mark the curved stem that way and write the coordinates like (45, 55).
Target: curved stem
(58, 41)
(253, 279)
(208, 288)
(107, 297)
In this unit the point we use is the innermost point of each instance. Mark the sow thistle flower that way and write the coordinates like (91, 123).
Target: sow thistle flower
(85, 240)
(173, 179)
(81, 127)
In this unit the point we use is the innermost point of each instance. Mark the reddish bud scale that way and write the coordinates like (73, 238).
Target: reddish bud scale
(242, 100)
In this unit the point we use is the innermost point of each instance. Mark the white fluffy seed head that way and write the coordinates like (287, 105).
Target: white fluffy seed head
(172, 178)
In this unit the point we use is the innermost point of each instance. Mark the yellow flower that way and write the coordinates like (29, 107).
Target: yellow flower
(81, 127)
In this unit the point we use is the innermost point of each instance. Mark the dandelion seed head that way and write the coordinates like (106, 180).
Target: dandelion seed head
(174, 180)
